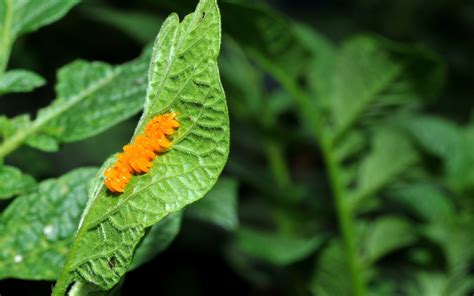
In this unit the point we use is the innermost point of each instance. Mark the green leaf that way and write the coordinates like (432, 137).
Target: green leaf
(20, 81)
(13, 182)
(386, 235)
(321, 66)
(93, 96)
(349, 146)
(438, 136)
(391, 155)
(455, 238)
(19, 17)
(37, 229)
(362, 71)
(452, 143)
(425, 201)
(242, 81)
(138, 25)
(219, 206)
(270, 40)
(265, 35)
(438, 284)
(183, 77)
(424, 68)
(43, 142)
(331, 275)
(157, 239)
(278, 249)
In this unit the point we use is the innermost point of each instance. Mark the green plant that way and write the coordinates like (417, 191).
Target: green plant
(348, 174)
(183, 77)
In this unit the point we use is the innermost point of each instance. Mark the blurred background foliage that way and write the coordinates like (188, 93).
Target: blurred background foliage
(360, 109)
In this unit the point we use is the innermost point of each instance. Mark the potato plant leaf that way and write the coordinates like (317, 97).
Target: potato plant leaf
(361, 71)
(91, 97)
(391, 155)
(20, 81)
(36, 229)
(19, 17)
(276, 248)
(13, 182)
(425, 201)
(184, 78)
(116, 93)
(386, 235)
(331, 274)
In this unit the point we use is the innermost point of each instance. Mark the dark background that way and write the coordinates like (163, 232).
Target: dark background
(194, 264)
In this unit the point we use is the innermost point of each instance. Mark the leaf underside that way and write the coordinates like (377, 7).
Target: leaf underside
(184, 78)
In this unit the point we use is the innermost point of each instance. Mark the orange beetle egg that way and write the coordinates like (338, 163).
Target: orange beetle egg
(137, 156)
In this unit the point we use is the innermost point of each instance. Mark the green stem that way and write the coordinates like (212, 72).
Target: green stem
(60, 288)
(346, 221)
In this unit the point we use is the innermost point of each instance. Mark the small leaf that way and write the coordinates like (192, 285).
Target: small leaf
(391, 155)
(351, 145)
(37, 229)
(157, 239)
(331, 276)
(452, 143)
(362, 71)
(386, 235)
(438, 136)
(439, 284)
(183, 77)
(275, 248)
(425, 201)
(20, 81)
(43, 142)
(219, 206)
(13, 182)
(455, 239)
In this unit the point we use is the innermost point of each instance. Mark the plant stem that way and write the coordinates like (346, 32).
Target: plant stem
(346, 220)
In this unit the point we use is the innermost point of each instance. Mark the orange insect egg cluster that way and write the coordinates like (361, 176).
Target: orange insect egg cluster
(137, 157)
